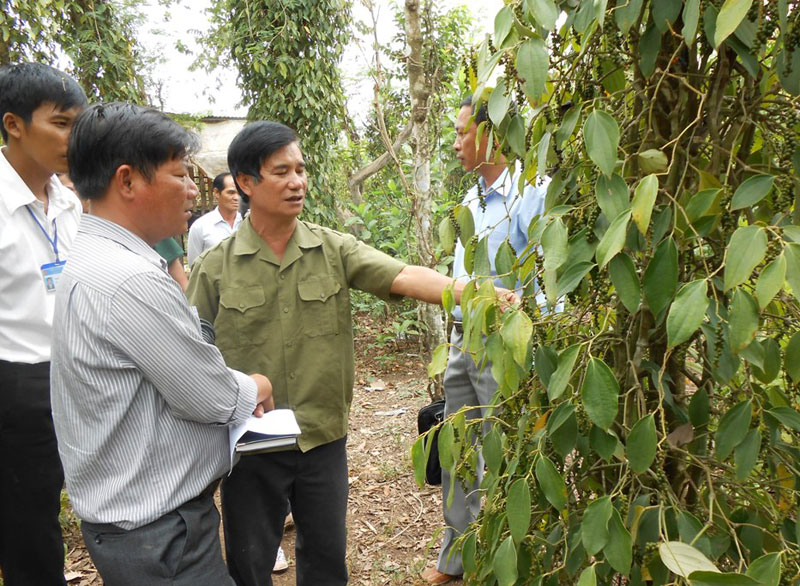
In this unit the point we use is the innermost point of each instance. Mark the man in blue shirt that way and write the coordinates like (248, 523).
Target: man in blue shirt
(500, 212)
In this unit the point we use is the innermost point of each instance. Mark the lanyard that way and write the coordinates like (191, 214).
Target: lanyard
(53, 241)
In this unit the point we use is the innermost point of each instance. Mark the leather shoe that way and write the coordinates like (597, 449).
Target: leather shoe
(434, 576)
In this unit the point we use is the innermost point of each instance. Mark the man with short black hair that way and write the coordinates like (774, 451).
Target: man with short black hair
(210, 229)
(38, 221)
(140, 401)
(278, 294)
(501, 212)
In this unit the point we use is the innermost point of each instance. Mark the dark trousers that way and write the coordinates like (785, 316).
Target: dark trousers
(31, 547)
(254, 500)
(179, 549)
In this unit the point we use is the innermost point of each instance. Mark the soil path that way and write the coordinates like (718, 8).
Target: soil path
(393, 526)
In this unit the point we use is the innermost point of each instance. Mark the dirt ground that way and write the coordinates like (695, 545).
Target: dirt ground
(393, 526)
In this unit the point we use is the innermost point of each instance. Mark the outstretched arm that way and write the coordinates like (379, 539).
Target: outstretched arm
(427, 285)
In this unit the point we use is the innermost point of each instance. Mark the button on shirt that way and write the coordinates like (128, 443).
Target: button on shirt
(207, 231)
(507, 215)
(26, 307)
(140, 401)
(291, 319)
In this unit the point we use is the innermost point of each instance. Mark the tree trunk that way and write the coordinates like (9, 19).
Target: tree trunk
(419, 91)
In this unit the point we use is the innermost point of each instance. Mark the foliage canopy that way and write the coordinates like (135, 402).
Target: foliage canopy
(649, 432)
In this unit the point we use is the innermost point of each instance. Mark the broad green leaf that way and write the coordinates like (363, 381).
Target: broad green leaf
(642, 444)
(791, 252)
(691, 16)
(745, 455)
(500, 99)
(601, 133)
(701, 204)
(612, 195)
(493, 451)
(745, 251)
(752, 191)
(505, 563)
(555, 244)
(419, 459)
(766, 570)
(661, 276)
(568, 123)
(619, 549)
(652, 161)
(518, 509)
(572, 277)
(687, 312)
(787, 416)
(541, 154)
(532, 64)
(602, 442)
(789, 75)
(743, 321)
(732, 428)
(643, 199)
(623, 276)
(445, 444)
(771, 281)
(588, 576)
(560, 378)
(730, 16)
(544, 11)
(562, 429)
(627, 13)
(447, 235)
(515, 135)
(649, 47)
(516, 333)
(545, 362)
(772, 362)
(707, 578)
(665, 12)
(504, 264)
(683, 559)
(600, 393)
(502, 25)
(551, 483)
(482, 264)
(594, 526)
(439, 360)
(468, 553)
(613, 240)
(466, 225)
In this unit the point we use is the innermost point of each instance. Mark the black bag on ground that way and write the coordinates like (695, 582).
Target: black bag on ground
(427, 417)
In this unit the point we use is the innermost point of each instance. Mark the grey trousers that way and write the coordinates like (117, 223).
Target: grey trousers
(464, 384)
(181, 548)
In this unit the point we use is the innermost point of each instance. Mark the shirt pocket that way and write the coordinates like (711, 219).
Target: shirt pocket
(318, 306)
(243, 317)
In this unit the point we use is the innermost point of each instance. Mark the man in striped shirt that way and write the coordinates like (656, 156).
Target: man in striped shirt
(140, 401)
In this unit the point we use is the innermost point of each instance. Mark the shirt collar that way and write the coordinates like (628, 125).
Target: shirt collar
(16, 192)
(501, 186)
(249, 242)
(95, 226)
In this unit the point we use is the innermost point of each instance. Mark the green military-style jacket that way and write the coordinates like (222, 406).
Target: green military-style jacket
(291, 320)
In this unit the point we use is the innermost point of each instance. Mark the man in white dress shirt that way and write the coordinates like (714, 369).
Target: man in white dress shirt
(38, 221)
(217, 224)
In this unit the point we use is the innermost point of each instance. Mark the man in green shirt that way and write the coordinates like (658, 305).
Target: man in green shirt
(277, 292)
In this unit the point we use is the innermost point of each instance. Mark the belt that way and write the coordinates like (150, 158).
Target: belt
(458, 327)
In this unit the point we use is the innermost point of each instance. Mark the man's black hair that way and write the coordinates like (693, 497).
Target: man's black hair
(26, 86)
(254, 144)
(106, 136)
(219, 181)
(483, 110)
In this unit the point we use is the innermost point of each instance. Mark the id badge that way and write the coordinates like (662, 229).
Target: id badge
(51, 272)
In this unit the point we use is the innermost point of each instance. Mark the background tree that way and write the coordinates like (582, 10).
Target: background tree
(287, 54)
(649, 432)
(97, 35)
